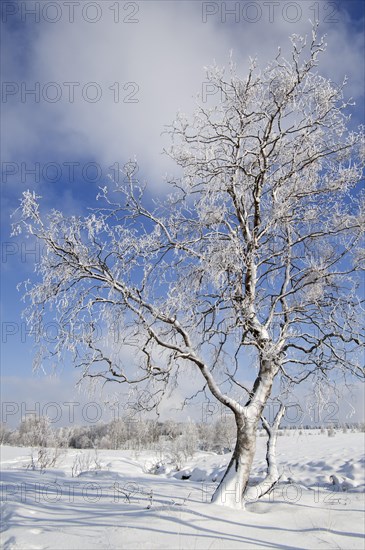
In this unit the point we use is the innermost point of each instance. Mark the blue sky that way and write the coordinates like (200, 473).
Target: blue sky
(107, 78)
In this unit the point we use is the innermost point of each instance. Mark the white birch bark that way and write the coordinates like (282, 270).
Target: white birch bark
(272, 476)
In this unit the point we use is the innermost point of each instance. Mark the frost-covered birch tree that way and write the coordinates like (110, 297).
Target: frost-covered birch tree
(249, 269)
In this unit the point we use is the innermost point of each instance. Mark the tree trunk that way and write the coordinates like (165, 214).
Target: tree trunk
(231, 489)
(272, 477)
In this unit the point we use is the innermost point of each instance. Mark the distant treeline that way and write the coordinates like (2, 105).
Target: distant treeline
(136, 434)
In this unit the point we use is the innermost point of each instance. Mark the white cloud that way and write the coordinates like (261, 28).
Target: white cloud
(164, 54)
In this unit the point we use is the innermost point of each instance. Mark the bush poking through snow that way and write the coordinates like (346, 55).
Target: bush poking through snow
(85, 463)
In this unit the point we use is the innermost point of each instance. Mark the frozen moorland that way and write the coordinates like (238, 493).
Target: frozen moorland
(109, 500)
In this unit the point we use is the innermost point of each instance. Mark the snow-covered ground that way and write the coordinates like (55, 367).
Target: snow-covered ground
(121, 506)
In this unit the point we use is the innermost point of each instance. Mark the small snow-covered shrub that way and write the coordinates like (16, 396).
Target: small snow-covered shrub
(331, 432)
(44, 457)
(85, 462)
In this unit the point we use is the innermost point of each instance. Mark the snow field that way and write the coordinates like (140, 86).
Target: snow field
(318, 504)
